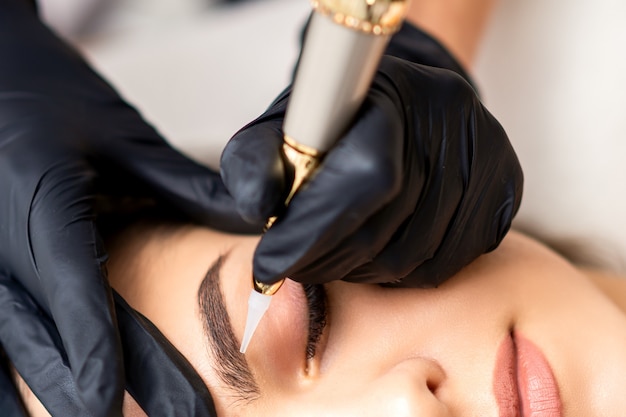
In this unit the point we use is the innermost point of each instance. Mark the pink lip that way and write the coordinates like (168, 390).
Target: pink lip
(524, 384)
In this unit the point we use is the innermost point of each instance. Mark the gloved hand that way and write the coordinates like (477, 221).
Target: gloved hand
(65, 137)
(158, 376)
(423, 183)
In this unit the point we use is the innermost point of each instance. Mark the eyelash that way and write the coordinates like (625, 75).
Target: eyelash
(316, 301)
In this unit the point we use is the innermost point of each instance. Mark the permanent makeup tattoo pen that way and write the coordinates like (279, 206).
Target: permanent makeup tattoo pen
(344, 43)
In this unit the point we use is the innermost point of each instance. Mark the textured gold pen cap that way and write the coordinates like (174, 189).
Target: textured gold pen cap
(379, 17)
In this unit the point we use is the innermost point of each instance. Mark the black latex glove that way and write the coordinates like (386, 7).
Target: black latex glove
(158, 376)
(65, 136)
(423, 183)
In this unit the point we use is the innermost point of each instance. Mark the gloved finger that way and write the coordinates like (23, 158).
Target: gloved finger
(131, 154)
(473, 200)
(158, 377)
(487, 203)
(357, 258)
(357, 178)
(458, 248)
(69, 258)
(192, 188)
(30, 341)
(253, 169)
(419, 234)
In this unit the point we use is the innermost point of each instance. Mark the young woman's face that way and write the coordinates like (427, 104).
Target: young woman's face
(518, 329)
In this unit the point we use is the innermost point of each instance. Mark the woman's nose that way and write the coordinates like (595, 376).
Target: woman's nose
(411, 389)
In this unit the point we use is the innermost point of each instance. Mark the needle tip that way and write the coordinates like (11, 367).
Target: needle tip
(257, 306)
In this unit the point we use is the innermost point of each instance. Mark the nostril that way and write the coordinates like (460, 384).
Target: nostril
(425, 371)
(434, 377)
(432, 386)
(410, 388)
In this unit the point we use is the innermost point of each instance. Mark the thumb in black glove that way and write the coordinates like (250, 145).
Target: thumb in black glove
(423, 182)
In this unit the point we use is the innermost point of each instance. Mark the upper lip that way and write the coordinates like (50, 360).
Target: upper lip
(524, 384)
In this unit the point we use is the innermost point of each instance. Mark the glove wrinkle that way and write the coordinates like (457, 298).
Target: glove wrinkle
(32, 344)
(262, 179)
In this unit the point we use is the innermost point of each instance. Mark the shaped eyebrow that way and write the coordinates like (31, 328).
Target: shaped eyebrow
(230, 365)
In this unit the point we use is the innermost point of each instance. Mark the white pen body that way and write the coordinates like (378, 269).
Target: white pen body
(335, 71)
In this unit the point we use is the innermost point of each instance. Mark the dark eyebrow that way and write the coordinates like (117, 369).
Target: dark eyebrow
(230, 365)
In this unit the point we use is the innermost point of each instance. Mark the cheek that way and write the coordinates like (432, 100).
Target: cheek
(365, 323)
(354, 395)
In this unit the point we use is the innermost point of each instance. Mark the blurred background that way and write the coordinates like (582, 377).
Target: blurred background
(552, 71)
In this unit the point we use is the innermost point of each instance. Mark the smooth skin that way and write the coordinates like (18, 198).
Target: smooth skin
(401, 352)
